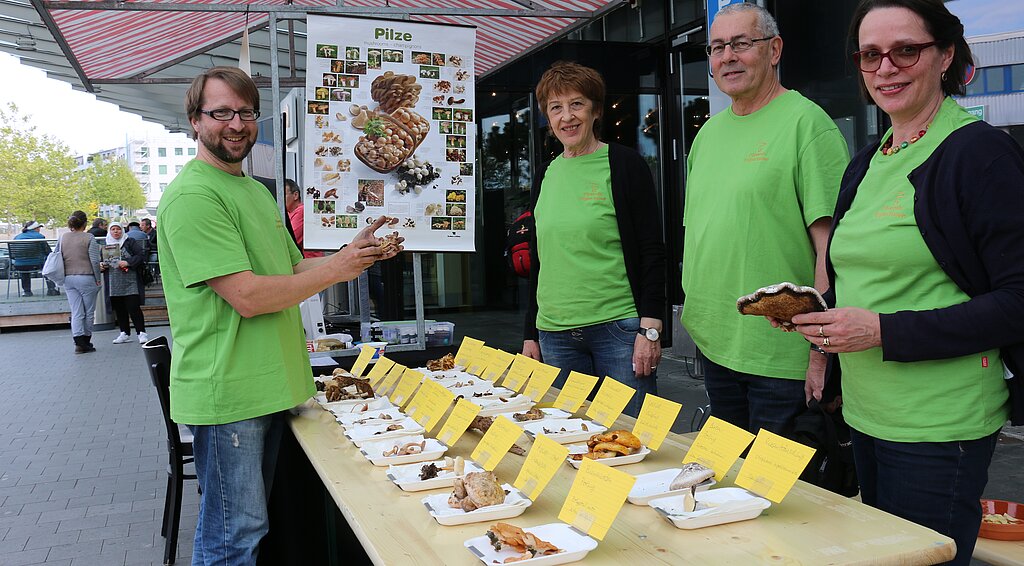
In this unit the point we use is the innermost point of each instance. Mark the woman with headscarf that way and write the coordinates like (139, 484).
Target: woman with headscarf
(81, 256)
(125, 282)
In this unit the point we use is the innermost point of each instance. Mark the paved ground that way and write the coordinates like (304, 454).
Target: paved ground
(82, 454)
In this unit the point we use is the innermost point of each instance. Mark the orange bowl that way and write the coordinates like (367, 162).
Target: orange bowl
(997, 531)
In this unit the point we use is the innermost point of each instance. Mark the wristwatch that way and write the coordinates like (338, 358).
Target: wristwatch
(650, 333)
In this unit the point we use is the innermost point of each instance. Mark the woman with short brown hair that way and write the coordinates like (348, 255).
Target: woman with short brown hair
(597, 287)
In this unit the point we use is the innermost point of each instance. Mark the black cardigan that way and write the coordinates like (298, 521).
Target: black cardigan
(134, 252)
(969, 206)
(639, 220)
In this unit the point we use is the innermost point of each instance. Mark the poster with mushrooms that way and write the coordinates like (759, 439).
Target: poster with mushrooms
(390, 130)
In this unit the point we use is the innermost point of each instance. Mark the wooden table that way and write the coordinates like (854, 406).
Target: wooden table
(1000, 552)
(811, 526)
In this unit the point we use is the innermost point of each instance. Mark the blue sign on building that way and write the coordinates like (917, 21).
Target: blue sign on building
(713, 6)
(717, 101)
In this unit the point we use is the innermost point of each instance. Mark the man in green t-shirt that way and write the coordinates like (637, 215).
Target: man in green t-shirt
(233, 278)
(762, 180)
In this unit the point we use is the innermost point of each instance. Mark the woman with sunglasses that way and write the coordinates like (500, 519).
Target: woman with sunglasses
(926, 262)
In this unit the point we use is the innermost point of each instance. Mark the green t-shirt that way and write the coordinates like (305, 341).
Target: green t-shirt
(883, 264)
(754, 184)
(582, 280)
(224, 367)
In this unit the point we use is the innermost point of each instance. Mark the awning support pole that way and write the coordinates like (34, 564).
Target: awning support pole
(275, 85)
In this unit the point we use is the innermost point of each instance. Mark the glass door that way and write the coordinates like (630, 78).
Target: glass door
(692, 102)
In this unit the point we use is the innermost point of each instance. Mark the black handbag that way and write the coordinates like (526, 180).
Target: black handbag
(832, 466)
(147, 275)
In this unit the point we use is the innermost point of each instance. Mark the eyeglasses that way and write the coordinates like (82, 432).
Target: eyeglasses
(738, 46)
(870, 60)
(227, 114)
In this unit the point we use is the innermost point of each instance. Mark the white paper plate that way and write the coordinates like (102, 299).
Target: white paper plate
(490, 406)
(515, 504)
(575, 544)
(731, 504)
(548, 414)
(348, 408)
(363, 434)
(351, 420)
(574, 431)
(617, 461)
(373, 451)
(451, 379)
(655, 485)
(482, 389)
(407, 477)
(457, 371)
(321, 398)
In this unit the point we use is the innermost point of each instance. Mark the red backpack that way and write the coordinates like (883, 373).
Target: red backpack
(517, 244)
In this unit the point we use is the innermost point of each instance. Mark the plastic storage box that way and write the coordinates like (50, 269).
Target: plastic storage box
(404, 332)
(440, 334)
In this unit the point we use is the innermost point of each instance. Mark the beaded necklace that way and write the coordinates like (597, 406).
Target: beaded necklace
(888, 149)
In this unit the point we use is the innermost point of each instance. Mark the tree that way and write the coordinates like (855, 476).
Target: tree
(37, 172)
(110, 181)
(40, 179)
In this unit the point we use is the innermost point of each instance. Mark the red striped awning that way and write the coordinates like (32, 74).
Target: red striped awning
(499, 38)
(125, 44)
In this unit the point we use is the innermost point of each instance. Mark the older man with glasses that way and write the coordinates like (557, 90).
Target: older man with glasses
(761, 185)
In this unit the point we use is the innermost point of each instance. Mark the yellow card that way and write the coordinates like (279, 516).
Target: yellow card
(479, 360)
(542, 462)
(458, 421)
(436, 400)
(543, 376)
(577, 387)
(467, 350)
(380, 369)
(392, 378)
(718, 445)
(773, 465)
(656, 418)
(406, 386)
(365, 353)
(519, 372)
(496, 442)
(595, 498)
(416, 400)
(611, 398)
(500, 361)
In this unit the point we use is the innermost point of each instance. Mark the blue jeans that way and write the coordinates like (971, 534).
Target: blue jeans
(753, 402)
(599, 350)
(81, 291)
(235, 465)
(934, 484)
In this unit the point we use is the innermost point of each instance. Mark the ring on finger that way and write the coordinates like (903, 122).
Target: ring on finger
(821, 331)
(825, 342)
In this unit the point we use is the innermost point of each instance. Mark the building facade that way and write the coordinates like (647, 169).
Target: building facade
(155, 160)
(996, 89)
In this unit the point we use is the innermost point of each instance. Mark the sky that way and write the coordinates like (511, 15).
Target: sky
(982, 17)
(87, 125)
